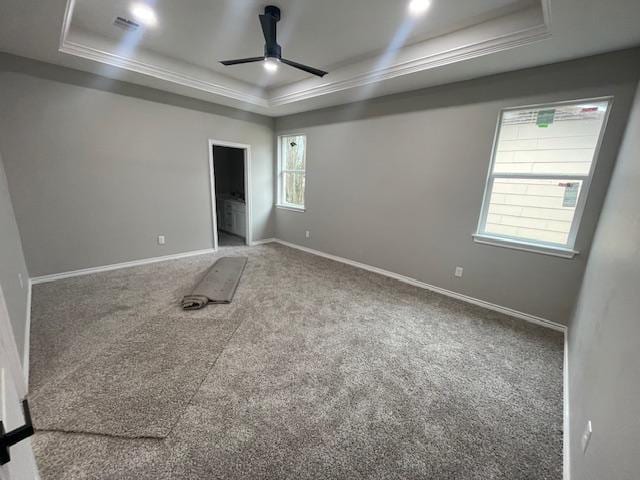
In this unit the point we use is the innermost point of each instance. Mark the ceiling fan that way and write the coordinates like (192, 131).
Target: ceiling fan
(272, 51)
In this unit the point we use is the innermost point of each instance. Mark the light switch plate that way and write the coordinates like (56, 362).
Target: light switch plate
(459, 271)
(161, 240)
(307, 234)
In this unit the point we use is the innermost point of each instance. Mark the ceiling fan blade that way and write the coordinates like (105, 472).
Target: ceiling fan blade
(299, 66)
(268, 24)
(242, 60)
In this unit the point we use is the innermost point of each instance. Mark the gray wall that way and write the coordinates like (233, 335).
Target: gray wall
(97, 170)
(397, 182)
(604, 334)
(12, 264)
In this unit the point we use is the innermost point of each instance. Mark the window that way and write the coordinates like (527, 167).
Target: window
(292, 162)
(539, 177)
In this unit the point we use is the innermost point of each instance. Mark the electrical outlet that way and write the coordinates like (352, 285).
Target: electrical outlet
(459, 271)
(21, 280)
(307, 234)
(161, 240)
(586, 437)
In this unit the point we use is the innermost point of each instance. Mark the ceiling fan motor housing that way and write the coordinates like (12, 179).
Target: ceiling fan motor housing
(273, 11)
(271, 48)
(273, 51)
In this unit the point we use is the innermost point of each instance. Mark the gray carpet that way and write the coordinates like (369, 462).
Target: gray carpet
(333, 372)
(139, 385)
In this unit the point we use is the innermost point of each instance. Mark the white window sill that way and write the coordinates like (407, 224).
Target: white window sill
(290, 207)
(524, 246)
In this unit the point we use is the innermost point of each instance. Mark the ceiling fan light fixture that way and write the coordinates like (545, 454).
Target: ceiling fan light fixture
(418, 7)
(144, 14)
(271, 64)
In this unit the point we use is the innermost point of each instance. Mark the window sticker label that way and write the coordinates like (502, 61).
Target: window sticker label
(570, 198)
(545, 118)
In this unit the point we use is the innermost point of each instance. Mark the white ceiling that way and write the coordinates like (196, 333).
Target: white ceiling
(370, 47)
(324, 33)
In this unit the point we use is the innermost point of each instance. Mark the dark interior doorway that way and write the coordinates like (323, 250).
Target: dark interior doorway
(231, 210)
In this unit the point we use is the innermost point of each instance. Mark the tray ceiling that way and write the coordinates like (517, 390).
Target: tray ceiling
(370, 47)
(369, 41)
(326, 33)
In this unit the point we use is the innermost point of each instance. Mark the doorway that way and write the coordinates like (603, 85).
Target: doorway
(230, 196)
(16, 457)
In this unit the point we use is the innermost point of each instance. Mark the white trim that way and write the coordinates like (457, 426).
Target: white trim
(464, 52)
(66, 22)
(27, 335)
(546, 13)
(417, 283)
(212, 199)
(247, 188)
(248, 197)
(293, 209)
(9, 348)
(26, 466)
(116, 266)
(90, 53)
(524, 246)
(263, 242)
(459, 54)
(566, 425)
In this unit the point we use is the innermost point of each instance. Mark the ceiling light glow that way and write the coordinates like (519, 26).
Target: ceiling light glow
(144, 14)
(418, 7)
(271, 65)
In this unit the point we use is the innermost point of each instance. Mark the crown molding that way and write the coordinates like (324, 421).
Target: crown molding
(458, 54)
(90, 53)
(467, 52)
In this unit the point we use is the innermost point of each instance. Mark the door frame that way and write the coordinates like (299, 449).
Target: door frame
(247, 188)
(26, 466)
(8, 343)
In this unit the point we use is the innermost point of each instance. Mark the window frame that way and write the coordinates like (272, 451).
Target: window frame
(281, 171)
(537, 246)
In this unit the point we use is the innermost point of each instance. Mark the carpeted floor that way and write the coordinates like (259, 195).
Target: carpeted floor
(316, 370)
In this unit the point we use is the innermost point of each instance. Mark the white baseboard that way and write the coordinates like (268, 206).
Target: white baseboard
(27, 336)
(116, 266)
(262, 242)
(134, 263)
(417, 283)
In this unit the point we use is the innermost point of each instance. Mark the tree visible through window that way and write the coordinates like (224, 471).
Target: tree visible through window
(292, 161)
(539, 177)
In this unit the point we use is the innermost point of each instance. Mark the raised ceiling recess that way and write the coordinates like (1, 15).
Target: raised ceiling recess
(366, 45)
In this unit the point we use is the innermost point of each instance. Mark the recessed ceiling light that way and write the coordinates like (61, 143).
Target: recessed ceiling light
(144, 14)
(271, 65)
(417, 7)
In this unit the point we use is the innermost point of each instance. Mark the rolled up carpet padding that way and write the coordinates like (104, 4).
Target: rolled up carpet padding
(218, 285)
